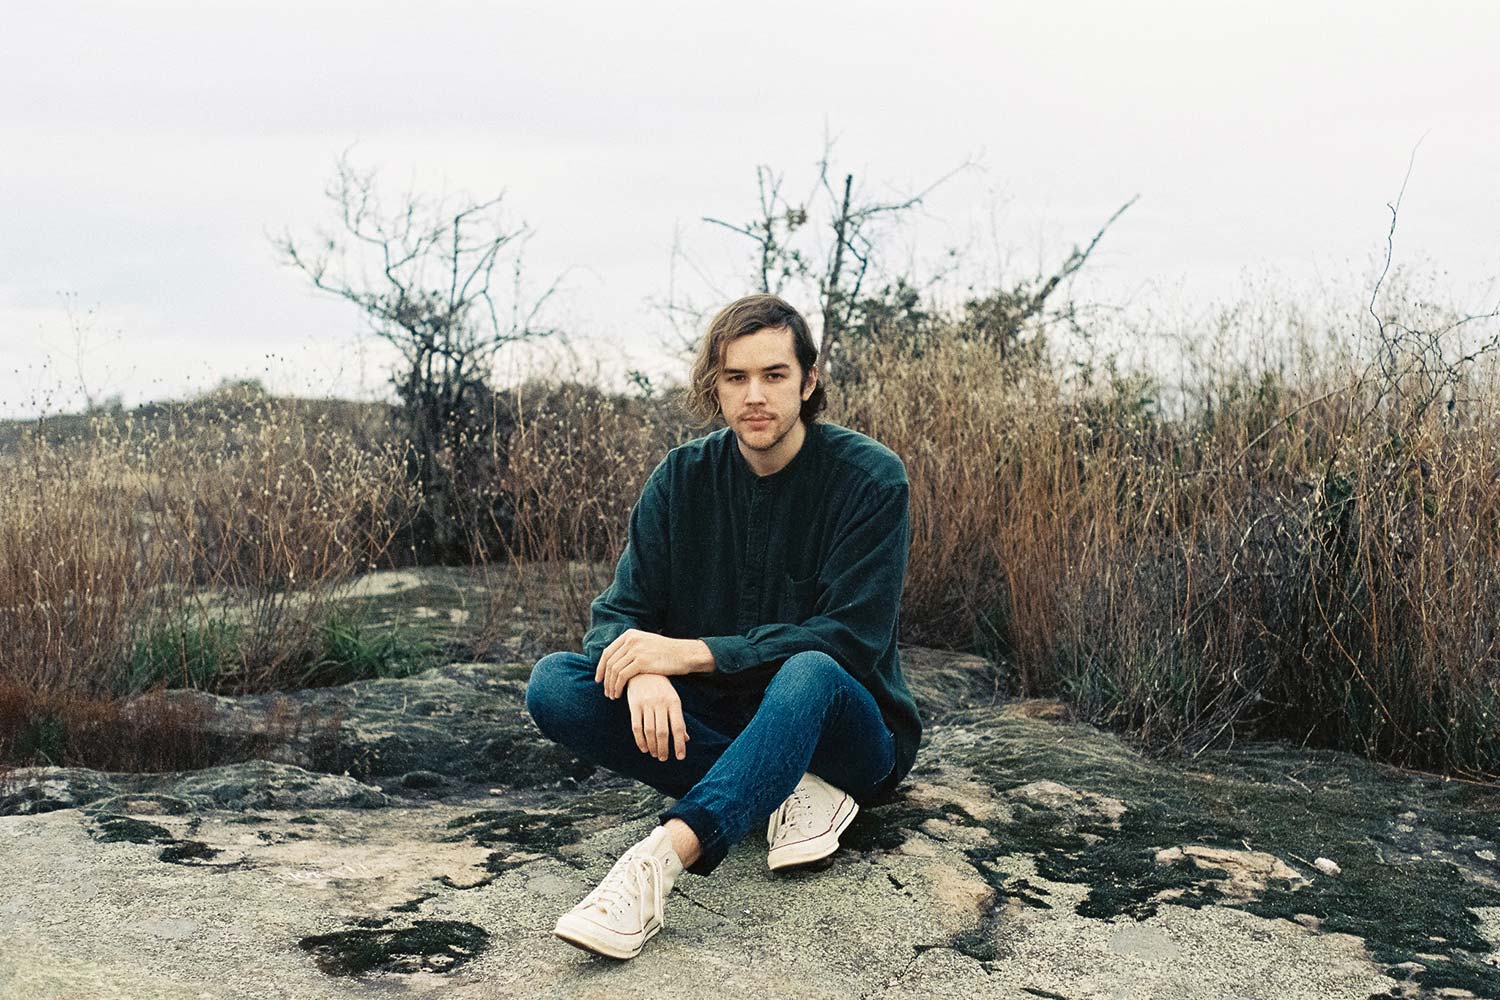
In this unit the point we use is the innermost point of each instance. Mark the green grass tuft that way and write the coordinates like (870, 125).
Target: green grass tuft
(208, 655)
(181, 654)
(352, 649)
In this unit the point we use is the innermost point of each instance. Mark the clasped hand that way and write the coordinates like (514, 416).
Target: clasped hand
(640, 652)
(637, 664)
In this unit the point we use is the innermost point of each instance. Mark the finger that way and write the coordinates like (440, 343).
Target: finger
(621, 671)
(648, 722)
(604, 659)
(610, 654)
(609, 674)
(624, 673)
(637, 729)
(679, 730)
(663, 730)
(612, 685)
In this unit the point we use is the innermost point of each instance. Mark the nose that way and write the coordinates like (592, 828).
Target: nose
(754, 393)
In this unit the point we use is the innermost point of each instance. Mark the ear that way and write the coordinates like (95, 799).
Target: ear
(809, 383)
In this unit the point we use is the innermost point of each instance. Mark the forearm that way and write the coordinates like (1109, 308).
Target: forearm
(678, 656)
(637, 652)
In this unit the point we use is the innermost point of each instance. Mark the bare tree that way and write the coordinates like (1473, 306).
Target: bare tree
(772, 232)
(853, 250)
(1417, 364)
(839, 260)
(839, 268)
(1003, 315)
(424, 275)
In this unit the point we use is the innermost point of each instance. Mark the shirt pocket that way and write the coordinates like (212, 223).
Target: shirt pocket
(798, 598)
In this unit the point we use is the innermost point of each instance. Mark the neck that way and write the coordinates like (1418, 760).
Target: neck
(772, 460)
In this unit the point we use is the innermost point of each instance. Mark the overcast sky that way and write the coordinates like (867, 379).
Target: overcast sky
(148, 150)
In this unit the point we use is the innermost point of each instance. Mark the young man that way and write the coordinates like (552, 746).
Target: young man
(743, 660)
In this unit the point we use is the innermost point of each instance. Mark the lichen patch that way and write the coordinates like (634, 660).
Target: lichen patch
(1241, 875)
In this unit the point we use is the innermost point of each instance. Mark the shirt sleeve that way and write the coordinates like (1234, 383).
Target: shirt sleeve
(855, 617)
(638, 595)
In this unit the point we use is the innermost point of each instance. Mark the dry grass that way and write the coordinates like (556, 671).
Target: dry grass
(128, 545)
(1305, 548)
(578, 459)
(1311, 557)
(153, 731)
(1303, 544)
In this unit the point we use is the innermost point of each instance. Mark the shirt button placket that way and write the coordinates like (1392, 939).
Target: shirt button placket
(755, 559)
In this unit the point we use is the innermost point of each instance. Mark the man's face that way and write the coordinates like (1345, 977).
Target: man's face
(759, 388)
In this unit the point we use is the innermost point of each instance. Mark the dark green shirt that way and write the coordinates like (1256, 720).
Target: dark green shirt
(811, 557)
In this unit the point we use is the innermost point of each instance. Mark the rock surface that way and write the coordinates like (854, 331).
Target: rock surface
(427, 846)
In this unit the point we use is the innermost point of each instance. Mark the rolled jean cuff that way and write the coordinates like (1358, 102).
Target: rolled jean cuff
(706, 827)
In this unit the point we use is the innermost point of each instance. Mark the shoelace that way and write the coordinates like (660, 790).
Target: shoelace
(795, 806)
(624, 881)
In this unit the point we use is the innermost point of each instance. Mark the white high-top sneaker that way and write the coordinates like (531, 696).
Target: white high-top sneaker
(625, 910)
(807, 825)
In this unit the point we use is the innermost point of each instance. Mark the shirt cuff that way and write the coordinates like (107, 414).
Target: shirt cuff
(732, 653)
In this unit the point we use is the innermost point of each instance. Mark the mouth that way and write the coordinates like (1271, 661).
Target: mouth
(758, 422)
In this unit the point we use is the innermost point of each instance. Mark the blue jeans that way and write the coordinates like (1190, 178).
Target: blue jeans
(742, 759)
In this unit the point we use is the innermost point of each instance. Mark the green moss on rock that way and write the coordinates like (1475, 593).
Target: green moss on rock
(1400, 891)
(537, 832)
(434, 946)
(109, 829)
(183, 852)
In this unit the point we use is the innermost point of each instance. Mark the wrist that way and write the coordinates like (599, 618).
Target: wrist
(701, 658)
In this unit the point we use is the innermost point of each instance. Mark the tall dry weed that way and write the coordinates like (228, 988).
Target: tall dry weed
(1306, 550)
(994, 489)
(1295, 532)
(138, 533)
(75, 572)
(263, 518)
(577, 460)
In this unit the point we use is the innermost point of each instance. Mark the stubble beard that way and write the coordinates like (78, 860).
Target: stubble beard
(776, 440)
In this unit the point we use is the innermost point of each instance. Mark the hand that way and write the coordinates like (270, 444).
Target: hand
(656, 715)
(637, 652)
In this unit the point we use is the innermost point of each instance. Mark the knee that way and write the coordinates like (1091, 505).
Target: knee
(550, 691)
(806, 676)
